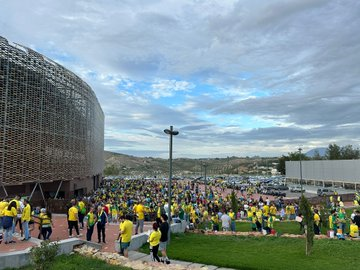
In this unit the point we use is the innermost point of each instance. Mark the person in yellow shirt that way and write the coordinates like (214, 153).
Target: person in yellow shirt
(91, 219)
(354, 229)
(273, 210)
(25, 219)
(215, 221)
(316, 222)
(46, 223)
(73, 218)
(16, 219)
(9, 213)
(139, 210)
(126, 228)
(233, 218)
(82, 212)
(3, 204)
(154, 241)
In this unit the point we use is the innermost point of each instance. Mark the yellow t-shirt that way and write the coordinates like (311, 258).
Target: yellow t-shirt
(3, 205)
(73, 213)
(154, 238)
(316, 219)
(266, 210)
(17, 203)
(25, 216)
(354, 230)
(10, 213)
(139, 210)
(126, 228)
(45, 219)
(273, 210)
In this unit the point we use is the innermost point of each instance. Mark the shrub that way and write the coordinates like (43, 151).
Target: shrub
(43, 255)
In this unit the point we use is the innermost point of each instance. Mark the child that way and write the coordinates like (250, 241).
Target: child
(154, 241)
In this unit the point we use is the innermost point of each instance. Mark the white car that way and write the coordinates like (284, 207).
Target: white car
(296, 189)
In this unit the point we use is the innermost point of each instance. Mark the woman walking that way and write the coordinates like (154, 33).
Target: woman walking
(10, 213)
(154, 241)
(46, 223)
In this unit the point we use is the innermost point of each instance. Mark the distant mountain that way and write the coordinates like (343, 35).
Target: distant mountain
(148, 166)
(320, 150)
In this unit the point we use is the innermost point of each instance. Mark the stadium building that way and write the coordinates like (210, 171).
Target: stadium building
(51, 127)
(325, 173)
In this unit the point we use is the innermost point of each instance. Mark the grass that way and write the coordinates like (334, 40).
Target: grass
(262, 252)
(78, 262)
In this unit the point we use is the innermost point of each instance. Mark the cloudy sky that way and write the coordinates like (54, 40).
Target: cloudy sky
(235, 78)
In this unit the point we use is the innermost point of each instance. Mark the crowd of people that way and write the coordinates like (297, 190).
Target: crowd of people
(130, 203)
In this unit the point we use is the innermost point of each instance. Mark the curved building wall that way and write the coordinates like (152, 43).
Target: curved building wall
(51, 124)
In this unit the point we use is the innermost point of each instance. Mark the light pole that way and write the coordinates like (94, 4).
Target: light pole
(205, 180)
(172, 133)
(301, 185)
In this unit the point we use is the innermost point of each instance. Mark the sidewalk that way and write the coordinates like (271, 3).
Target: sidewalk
(60, 232)
(138, 256)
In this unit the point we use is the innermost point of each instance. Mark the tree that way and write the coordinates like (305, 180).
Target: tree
(292, 156)
(308, 221)
(333, 152)
(281, 164)
(234, 202)
(347, 152)
(111, 170)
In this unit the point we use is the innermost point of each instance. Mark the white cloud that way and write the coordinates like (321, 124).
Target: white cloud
(293, 65)
(168, 88)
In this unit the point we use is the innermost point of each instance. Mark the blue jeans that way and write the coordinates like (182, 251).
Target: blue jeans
(8, 235)
(139, 223)
(25, 226)
(233, 225)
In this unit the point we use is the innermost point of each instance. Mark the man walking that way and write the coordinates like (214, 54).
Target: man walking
(225, 222)
(73, 218)
(164, 229)
(139, 210)
(126, 227)
(25, 219)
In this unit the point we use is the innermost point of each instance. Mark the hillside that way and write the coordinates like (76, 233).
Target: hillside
(121, 164)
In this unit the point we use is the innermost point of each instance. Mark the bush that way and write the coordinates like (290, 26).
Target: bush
(43, 255)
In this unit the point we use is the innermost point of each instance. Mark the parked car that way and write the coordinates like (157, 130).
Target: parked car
(280, 187)
(296, 189)
(278, 193)
(324, 192)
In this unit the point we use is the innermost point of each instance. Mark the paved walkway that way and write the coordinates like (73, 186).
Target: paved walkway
(60, 232)
(138, 256)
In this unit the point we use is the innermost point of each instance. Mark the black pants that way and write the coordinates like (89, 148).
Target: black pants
(46, 232)
(73, 224)
(101, 231)
(81, 220)
(154, 252)
(316, 229)
(89, 232)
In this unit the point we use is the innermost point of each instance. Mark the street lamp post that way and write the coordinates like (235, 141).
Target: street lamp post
(301, 185)
(172, 133)
(205, 179)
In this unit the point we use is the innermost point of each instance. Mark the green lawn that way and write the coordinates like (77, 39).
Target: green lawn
(263, 252)
(78, 262)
